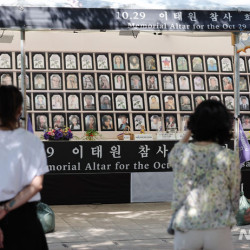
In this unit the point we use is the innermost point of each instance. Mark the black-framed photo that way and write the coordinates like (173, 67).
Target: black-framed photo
(229, 101)
(211, 64)
(86, 61)
(70, 61)
(107, 122)
(182, 63)
(184, 122)
(6, 78)
(58, 120)
(90, 122)
(151, 82)
(73, 101)
(248, 63)
(213, 83)
(27, 80)
(102, 61)
(88, 81)
(104, 82)
(226, 64)
(185, 102)
(166, 63)
(88, 101)
(227, 83)
(134, 62)
(198, 99)
(39, 81)
(197, 63)
(74, 121)
(120, 101)
(118, 62)
(56, 101)
(214, 97)
(154, 102)
(198, 83)
(168, 82)
(242, 65)
(38, 60)
(5, 60)
(55, 81)
(139, 122)
(135, 82)
(183, 82)
(155, 122)
(18, 60)
(71, 81)
(243, 84)
(28, 101)
(137, 102)
(245, 121)
(40, 101)
(150, 62)
(119, 82)
(55, 61)
(122, 121)
(42, 122)
(105, 101)
(171, 122)
(244, 102)
(169, 102)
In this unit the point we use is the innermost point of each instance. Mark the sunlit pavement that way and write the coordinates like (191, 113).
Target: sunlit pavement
(118, 226)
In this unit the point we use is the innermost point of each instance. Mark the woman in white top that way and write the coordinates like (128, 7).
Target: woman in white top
(22, 166)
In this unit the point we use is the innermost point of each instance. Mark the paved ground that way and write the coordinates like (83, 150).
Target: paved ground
(117, 226)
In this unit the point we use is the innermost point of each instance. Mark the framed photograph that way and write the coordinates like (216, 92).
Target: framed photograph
(28, 101)
(242, 65)
(88, 81)
(55, 81)
(70, 61)
(71, 80)
(211, 64)
(185, 103)
(214, 97)
(226, 64)
(38, 60)
(86, 61)
(245, 121)
(102, 61)
(137, 102)
(243, 84)
(5, 60)
(197, 64)
(27, 80)
(90, 122)
(213, 83)
(107, 122)
(122, 121)
(105, 102)
(119, 82)
(168, 82)
(56, 101)
(39, 81)
(58, 120)
(18, 60)
(73, 102)
(104, 81)
(155, 122)
(118, 62)
(182, 63)
(198, 83)
(7, 78)
(166, 63)
(154, 102)
(170, 122)
(152, 82)
(139, 122)
(134, 62)
(229, 101)
(150, 62)
(120, 101)
(184, 122)
(169, 102)
(42, 122)
(244, 103)
(135, 82)
(88, 101)
(183, 82)
(55, 60)
(227, 83)
(40, 101)
(74, 122)
(198, 99)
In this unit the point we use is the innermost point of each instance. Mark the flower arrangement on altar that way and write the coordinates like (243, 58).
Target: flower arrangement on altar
(58, 134)
(91, 135)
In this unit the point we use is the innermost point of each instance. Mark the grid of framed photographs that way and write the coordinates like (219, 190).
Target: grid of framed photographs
(107, 91)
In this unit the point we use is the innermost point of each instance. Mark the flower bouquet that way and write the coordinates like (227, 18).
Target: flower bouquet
(58, 134)
(91, 135)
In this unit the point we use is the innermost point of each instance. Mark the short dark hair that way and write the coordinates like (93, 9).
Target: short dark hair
(211, 121)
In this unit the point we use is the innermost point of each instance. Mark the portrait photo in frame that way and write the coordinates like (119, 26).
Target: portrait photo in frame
(214, 97)
(242, 65)
(244, 103)
(181, 63)
(120, 101)
(56, 101)
(5, 60)
(155, 122)
(198, 99)
(213, 83)
(55, 60)
(73, 101)
(226, 64)
(107, 122)
(86, 61)
(119, 82)
(137, 102)
(6, 78)
(185, 103)
(39, 81)
(71, 81)
(154, 102)
(70, 61)
(166, 63)
(135, 82)
(245, 121)
(90, 121)
(88, 81)
(243, 84)
(168, 82)
(104, 81)
(102, 61)
(227, 83)
(150, 62)
(198, 83)
(74, 121)
(118, 62)
(184, 122)
(27, 80)
(169, 102)
(18, 60)
(55, 81)
(28, 101)
(40, 101)
(183, 83)
(88, 101)
(105, 101)
(38, 60)
(122, 121)
(197, 63)
(139, 122)
(58, 120)
(171, 124)
(42, 122)
(134, 62)
(229, 101)
(211, 64)
(151, 82)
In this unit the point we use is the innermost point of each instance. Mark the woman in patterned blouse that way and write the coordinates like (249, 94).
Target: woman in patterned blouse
(206, 181)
